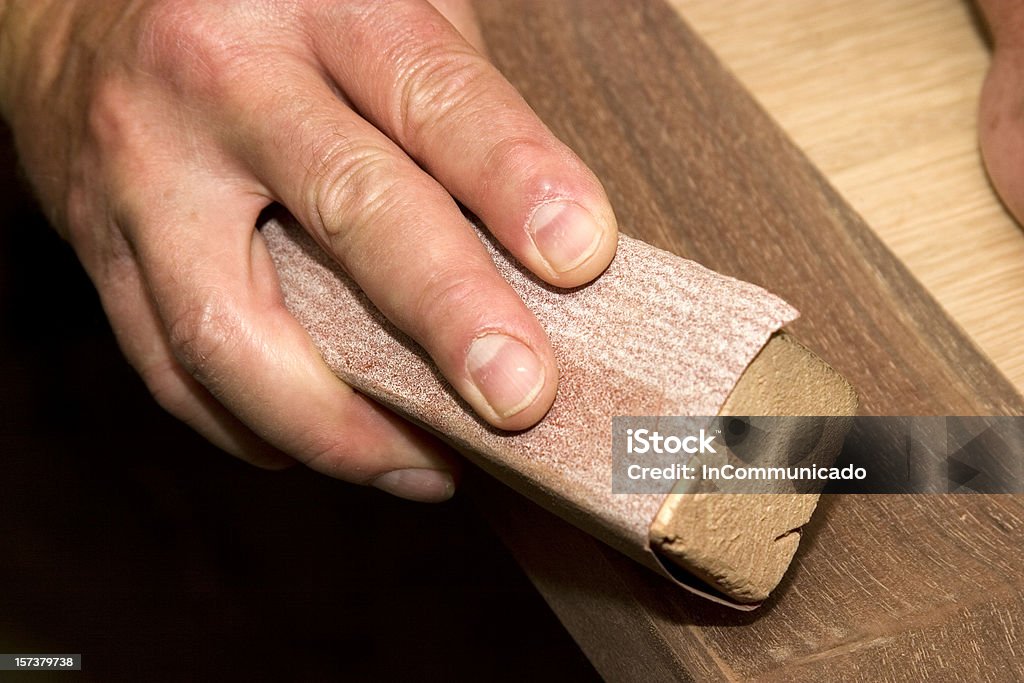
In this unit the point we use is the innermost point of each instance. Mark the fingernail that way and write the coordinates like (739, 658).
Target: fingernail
(565, 234)
(506, 372)
(419, 484)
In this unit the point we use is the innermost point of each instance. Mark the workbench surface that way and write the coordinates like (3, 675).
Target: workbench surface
(882, 95)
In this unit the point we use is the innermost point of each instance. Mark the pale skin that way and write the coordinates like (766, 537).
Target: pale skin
(156, 131)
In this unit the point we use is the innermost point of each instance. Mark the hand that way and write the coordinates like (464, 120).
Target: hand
(156, 131)
(1001, 115)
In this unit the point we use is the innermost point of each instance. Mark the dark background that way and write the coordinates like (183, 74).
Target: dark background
(127, 538)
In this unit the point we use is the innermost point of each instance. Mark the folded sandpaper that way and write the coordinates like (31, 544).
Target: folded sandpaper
(656, 334)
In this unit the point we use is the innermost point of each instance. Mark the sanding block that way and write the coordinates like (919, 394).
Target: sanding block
(656, 334)
(741, 544)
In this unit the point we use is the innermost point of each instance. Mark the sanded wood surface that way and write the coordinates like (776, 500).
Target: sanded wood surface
(882, 587)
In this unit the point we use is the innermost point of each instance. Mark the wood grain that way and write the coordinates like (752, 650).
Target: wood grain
(882, 95)
(694, 165)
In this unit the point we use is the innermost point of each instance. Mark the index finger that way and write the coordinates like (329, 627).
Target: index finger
(460, 119)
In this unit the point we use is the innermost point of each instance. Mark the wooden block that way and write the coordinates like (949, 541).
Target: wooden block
(742, 543)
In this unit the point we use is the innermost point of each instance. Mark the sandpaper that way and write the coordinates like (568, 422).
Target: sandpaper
(656, 334)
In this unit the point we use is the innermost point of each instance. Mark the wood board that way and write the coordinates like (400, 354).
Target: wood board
(882, 587)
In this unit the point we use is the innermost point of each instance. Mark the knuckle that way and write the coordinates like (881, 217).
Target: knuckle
(332, 454)
(537, 166)
(350, 184)
(201, 335)
(193, 43)
(516, 156)
(449, 294)
(435, 85)
(109, 113)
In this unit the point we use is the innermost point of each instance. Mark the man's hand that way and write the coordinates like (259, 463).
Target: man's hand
(155, 131)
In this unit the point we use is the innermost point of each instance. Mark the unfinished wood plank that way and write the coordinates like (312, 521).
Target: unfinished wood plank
(692, 164)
